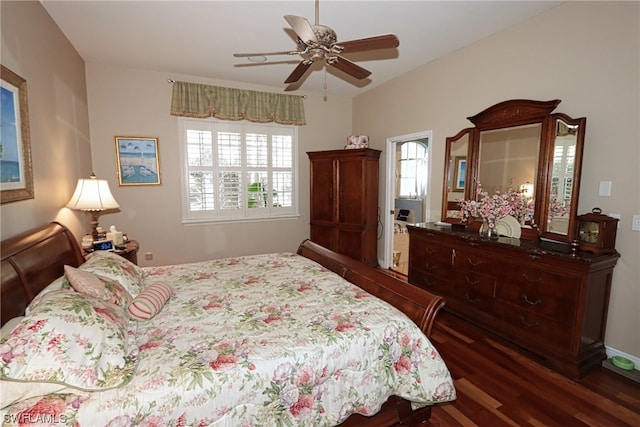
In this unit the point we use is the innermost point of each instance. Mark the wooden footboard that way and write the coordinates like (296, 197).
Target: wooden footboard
(421, 306)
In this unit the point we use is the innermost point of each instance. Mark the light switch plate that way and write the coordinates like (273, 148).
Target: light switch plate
(604, 189)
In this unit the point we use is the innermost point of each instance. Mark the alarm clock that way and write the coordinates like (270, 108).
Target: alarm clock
(103, 245)
(596, 232)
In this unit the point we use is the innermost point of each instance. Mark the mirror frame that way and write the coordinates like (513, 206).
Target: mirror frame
(448, 174)
(512, 113)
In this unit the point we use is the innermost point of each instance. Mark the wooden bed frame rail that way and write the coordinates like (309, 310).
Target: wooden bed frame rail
(419, 305)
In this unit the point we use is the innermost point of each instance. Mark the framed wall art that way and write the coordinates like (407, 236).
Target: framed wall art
(16, 175)
(138, 160)
(459, 173)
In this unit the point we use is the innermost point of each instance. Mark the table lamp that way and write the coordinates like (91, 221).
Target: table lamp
(93, 196)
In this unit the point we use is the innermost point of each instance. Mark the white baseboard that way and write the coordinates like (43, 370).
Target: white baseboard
(613, 352)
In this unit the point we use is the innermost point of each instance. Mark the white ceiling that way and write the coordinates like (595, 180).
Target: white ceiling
(199, 38)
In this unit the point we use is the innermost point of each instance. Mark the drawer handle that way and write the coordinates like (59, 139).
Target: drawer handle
(528, 301)
(430, 267)
(531, 325)
(471, 300)
(473, 263)
(538, 280)
(534, 256)
(471, 281)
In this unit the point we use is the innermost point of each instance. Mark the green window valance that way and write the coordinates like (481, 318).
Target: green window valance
(200, 100)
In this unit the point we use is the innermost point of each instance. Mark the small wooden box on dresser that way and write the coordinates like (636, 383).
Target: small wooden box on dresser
(344, 202)
(534, 294)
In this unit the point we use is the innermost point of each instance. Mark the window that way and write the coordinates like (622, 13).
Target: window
(412, 170)
(563, 168)
(238, 171)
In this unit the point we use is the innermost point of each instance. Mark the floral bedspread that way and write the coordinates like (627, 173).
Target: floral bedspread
(266, 340)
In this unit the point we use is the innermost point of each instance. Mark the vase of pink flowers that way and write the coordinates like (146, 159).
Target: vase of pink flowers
(490, 208)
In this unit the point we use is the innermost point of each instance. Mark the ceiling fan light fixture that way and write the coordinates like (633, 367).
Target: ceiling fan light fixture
(319, 43)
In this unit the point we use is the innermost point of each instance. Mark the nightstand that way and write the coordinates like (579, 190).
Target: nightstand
(130, 251)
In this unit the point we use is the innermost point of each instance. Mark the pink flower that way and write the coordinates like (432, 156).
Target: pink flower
(36, 326)
(302, 408)
(52, 407)
(224, 362)
(344, 326)
(402, 365)
(499, 205)
(272, 318)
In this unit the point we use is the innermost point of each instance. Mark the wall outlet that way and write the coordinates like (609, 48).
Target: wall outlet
(635, 223)
(148, 256)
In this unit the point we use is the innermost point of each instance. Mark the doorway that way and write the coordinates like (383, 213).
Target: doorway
(408, 181)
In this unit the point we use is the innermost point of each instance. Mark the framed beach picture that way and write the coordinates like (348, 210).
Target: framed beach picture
(138, 160)
(459, 173)
(16, 176)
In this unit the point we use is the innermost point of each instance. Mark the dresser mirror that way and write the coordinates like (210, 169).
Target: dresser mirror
(455, 172)
(519, 145)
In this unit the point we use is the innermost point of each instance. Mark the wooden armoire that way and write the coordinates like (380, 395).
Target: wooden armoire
(344, 202)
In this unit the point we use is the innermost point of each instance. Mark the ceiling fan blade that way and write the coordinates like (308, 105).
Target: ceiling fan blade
(350, 68)
(388, 41)
(298, 72)
(284, 52)
(302, 28)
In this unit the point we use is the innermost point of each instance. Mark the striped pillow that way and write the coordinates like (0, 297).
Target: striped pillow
(149, 302)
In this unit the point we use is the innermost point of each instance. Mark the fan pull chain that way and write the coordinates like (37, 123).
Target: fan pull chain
(325, 83)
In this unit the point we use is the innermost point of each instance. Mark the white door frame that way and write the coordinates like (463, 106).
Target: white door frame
(389, 204)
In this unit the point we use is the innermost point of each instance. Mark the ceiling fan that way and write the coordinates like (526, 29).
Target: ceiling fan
(319, 42)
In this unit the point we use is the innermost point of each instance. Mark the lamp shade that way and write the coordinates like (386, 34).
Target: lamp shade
(92, 195)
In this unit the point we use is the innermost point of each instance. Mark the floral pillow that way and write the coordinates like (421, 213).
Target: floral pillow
(113, 266)
(71, 339)
(96, 286)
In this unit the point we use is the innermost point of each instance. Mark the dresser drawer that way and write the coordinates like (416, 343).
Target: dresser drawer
(440, 284)
(539, 292)
(473, 259)
(533, 327)
(473, 289)
(429, 255)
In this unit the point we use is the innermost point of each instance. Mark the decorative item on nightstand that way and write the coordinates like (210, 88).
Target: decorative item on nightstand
(597, 232)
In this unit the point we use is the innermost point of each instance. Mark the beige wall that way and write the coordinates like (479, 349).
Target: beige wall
(584, 53)
(129, 102)
(35, 48)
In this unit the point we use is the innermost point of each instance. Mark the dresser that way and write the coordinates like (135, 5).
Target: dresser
(344, 202)
(533, 294)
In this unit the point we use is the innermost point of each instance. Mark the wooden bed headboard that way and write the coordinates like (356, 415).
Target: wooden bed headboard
(32, 260)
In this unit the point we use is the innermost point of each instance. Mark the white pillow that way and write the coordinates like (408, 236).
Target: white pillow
(113, 266)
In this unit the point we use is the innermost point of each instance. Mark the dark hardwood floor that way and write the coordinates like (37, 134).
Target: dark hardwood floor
(499, 386)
